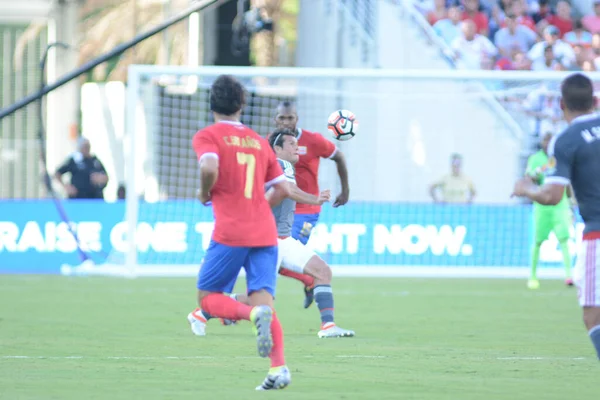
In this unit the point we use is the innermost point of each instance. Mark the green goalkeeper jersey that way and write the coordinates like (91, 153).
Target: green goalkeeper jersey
(538, 166)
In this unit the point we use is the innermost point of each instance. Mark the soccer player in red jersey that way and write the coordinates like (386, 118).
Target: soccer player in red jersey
(236, 165)
(311, 148)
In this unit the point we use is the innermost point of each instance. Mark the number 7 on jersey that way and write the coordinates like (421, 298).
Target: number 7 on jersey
(250, 162)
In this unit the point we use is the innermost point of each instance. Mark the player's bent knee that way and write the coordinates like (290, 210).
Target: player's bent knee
(202, 294)
(260, 297)
(318, 269)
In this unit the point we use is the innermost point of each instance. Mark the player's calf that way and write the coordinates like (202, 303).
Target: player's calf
(323, 295)
(591, 319)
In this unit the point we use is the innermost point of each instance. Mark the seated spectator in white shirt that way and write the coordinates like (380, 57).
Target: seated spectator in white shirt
(471, 48)
(578, 36)
(592, 22)
(562, 51)
(514, 37)
(548, 63)
(449, 28)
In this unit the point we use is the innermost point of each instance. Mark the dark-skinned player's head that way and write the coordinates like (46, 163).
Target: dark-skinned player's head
(227, 96)
(577, 96)
(285, 145)
(286, 116)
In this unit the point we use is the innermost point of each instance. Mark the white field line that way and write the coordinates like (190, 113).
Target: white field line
(161, 358)
(351, 356)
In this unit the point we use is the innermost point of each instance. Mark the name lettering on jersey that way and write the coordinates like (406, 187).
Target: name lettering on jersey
(590, 135)
(247, 142)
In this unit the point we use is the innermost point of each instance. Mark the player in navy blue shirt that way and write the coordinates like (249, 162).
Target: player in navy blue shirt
(575, 160)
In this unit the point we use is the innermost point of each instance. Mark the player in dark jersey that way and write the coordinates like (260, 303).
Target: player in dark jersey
(236, 164)
(312, 146)
(575, 159)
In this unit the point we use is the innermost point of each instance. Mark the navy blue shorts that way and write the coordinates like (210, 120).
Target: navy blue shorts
(222, 264)
(303, 225)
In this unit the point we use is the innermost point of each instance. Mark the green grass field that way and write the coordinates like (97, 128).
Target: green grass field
(101, 338)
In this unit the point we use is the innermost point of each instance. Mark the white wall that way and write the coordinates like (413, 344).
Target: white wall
(408, 127)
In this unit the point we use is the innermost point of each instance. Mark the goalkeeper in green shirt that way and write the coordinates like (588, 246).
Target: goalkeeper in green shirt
(557, 219)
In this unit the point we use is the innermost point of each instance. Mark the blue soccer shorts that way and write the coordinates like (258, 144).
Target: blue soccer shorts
(222, 264)
(303, 226)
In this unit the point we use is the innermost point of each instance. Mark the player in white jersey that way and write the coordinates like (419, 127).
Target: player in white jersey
(293, 255)
(575, 160)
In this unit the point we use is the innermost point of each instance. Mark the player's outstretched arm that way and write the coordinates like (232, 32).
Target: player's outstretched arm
(342, 168)
(300, 196)
(277, 193)
(550, 194)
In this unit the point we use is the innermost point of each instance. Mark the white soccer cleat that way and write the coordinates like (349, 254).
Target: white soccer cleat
(197, 323)
(276, 380)
(332, 330)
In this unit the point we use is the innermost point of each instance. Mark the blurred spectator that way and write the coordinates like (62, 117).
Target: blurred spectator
(595, 50)
(519, 10)
(472, 13)
(471, 48)
(517, 61)
(547, 63)
(588, 66)
(543, 12)
(449, 28)
(578, 36)
(521, 62)
(561, 51)
(543, 105)
(592, 22)
(454, 187)
(514, 37)
(562, 20)
(582, 54)
(88, 176)
(438, 13)
(121, 193)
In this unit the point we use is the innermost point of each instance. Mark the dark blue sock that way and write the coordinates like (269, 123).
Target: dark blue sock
(595, 337)
(324, 299)
(206, 315)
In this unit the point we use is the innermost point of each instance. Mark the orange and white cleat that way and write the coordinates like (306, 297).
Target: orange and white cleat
(197, 322)
(330, 330)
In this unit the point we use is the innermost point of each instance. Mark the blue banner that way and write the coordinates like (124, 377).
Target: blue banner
(33, 239)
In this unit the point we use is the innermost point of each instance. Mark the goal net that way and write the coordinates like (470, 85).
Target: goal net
(411, 123)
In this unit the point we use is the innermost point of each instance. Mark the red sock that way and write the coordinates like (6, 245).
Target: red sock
(276, 356)
(307, 280)
(221, 306)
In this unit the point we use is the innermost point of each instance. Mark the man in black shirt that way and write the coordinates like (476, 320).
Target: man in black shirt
(575, 159)
(88, 176)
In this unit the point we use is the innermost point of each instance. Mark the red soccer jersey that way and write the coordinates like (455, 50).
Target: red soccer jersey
(247, 165)
(311, 147)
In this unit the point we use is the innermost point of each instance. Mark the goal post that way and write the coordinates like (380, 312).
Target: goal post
(410, 123)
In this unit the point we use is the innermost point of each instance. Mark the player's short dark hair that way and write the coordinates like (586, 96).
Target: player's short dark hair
(577, 92)
(278, 136)
(227, 95)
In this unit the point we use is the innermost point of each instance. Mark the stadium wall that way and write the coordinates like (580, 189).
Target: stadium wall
(365, 238)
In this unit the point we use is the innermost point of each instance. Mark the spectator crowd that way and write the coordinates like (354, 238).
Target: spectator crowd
(517, 34)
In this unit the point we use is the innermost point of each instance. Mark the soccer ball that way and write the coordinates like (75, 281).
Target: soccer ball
(342, 124)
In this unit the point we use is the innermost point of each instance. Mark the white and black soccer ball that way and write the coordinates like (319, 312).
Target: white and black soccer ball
(342, 124)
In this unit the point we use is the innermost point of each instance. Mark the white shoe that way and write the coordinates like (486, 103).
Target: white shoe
(278, 380)
(197, 323)
(332, 330)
